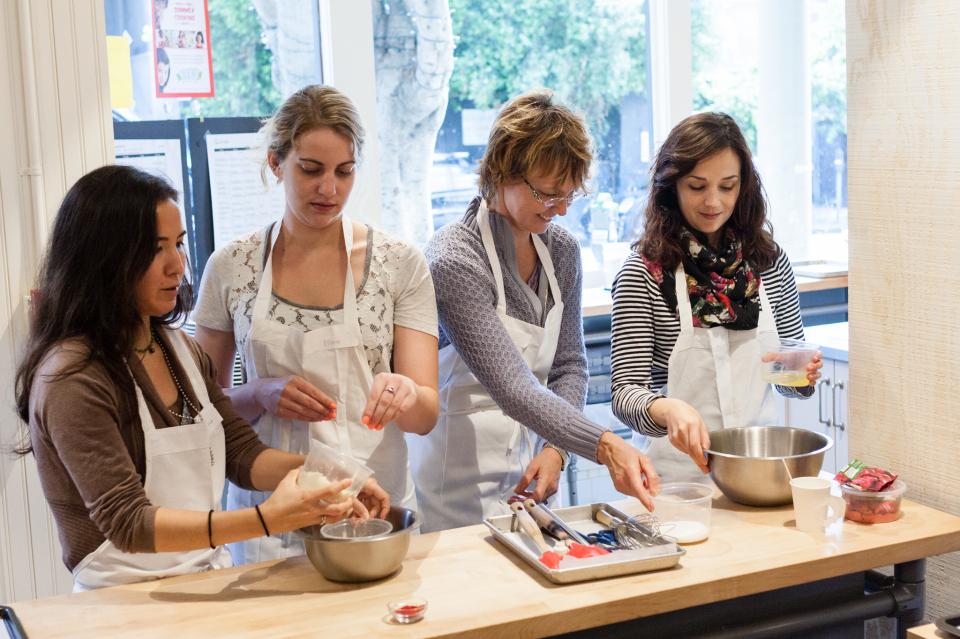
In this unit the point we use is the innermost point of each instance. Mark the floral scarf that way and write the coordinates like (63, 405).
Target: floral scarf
(723, 288)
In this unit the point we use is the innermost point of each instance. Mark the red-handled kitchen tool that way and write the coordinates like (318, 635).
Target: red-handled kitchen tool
(549, 558)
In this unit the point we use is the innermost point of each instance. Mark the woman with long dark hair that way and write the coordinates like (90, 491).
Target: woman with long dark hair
(702, 300)
(132, 435)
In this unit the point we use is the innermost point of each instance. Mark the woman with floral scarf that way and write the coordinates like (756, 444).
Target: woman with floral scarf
(702, 300)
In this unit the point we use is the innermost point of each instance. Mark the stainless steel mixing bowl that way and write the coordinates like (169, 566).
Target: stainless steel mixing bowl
(750, 464)
(362, 559)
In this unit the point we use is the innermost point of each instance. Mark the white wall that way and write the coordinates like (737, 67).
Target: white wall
(54, 127)
(904, 186)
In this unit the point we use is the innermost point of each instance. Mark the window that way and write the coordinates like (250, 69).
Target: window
(593, 55)
(783, 78)
(258, 52)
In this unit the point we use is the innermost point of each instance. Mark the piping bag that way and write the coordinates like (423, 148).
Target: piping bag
(549, 558)
(577, 545)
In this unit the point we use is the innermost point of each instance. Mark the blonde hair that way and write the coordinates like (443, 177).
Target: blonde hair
(314, 106)
(535, 132)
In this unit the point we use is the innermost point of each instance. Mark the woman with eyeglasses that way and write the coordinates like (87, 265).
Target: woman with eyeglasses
(513, 372)
(335, 321)
(702, 300)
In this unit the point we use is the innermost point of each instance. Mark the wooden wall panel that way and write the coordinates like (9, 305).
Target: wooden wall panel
(55, 125)
(903, 69)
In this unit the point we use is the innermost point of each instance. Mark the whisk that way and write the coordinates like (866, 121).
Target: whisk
(641, 531)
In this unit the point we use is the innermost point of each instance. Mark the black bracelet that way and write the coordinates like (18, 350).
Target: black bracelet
(210, 528)
(262, 522)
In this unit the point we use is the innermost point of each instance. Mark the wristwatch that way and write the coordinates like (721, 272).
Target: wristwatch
(564, 455)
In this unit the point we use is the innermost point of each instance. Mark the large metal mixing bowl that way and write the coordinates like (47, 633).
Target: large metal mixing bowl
(750, 464)
(356, 560)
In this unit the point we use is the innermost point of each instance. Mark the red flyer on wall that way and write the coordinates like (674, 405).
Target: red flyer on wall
(183, 63)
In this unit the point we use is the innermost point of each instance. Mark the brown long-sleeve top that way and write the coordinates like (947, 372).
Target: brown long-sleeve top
(90, 454)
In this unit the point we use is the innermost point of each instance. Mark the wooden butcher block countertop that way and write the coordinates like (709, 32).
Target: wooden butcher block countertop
(475, 587)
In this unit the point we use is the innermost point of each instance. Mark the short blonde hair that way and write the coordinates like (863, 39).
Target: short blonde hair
(314, 106)
(535, 132)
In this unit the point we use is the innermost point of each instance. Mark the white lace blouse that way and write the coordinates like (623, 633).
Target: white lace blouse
(396, 290)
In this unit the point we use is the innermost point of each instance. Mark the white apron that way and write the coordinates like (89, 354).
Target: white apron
(185, 469)
(476, 453)
(718, 372)
(333, 359)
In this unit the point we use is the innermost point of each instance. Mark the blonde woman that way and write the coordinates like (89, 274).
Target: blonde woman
(335, 321)
(513, 372)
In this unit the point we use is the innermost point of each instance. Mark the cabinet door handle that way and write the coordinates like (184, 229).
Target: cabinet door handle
(839, 386)
(823, 382)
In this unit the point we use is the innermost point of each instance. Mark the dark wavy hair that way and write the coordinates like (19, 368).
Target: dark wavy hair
(695, 138)
(103, 240)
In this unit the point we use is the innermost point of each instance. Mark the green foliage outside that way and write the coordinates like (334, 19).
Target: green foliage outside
(735, 90)
(243, 81)
(591, 54)
(828, 75)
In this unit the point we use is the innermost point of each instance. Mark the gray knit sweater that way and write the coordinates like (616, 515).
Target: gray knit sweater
(467, 301)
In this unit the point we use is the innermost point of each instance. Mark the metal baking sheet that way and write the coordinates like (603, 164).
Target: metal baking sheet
(571, 569)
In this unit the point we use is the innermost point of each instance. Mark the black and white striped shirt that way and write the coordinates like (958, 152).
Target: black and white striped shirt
(645, 330)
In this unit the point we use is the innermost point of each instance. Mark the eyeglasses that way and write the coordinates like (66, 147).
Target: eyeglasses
(550, 202)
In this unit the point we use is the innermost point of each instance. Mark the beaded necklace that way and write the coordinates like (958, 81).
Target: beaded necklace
(149, 348)
(186, 417)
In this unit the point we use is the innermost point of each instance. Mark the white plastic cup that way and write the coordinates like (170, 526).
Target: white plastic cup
(683, 510)
(814, 508)
(333, 466)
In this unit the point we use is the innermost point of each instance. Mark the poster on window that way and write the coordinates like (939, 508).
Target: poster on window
(183, 64)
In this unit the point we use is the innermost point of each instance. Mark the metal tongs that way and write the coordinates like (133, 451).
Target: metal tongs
(550, 522)
(640, 531)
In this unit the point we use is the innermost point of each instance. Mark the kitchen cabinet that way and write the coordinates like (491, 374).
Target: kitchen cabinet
(825, 412)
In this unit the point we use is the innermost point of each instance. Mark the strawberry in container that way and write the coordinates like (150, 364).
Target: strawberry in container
(872, 494)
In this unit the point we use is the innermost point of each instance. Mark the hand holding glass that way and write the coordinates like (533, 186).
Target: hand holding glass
(790, 365)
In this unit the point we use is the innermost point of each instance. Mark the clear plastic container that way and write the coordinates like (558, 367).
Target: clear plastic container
(325, 465)
(873, 507)
(353, 529)
(683, 510)
(409, 610)
(788, 365)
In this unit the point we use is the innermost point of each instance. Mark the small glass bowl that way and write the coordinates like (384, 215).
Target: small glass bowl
(408, 610)
(350, 529)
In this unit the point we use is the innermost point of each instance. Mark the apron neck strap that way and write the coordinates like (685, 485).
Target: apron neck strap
(486, 235)
(766, 321)
(683, 300)
(264, 291)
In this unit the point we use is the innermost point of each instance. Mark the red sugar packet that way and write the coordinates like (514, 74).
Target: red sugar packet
(866, 478)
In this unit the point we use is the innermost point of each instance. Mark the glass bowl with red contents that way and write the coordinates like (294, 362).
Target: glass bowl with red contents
(407, 610)
(869, 507)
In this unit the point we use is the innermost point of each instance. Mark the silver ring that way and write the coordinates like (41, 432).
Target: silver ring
(389, 389)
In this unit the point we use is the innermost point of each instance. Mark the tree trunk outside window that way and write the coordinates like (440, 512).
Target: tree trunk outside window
(289, 31)
(413, 41)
